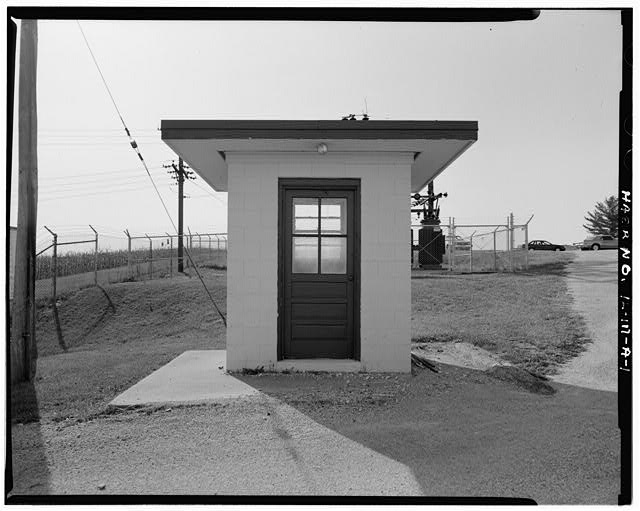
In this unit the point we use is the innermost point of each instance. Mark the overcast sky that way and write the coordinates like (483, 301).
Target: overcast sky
(545, 94)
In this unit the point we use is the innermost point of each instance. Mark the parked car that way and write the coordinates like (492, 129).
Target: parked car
(461, 244)
(600, 242)
(545, 245)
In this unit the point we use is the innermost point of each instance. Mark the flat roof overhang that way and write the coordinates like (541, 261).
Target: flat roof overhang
(203, 144)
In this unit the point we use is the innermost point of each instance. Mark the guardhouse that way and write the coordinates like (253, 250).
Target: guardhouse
(318, 263)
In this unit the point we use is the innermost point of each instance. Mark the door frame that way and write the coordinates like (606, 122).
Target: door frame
(352, 184)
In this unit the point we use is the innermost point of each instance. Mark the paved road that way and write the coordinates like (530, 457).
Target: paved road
(593, 285)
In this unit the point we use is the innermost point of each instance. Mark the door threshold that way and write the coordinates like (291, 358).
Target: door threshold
(328, 365)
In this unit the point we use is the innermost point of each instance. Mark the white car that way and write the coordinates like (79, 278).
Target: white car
(600, 242)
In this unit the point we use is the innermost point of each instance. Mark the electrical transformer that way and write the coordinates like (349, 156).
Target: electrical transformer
(431, 246)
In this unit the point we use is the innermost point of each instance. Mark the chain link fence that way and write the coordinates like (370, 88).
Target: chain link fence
(472, 248)
(68, 265)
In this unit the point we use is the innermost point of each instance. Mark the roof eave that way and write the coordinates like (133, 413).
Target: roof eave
(436, 144)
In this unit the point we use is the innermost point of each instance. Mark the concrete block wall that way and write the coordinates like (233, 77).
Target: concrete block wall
(252, 268)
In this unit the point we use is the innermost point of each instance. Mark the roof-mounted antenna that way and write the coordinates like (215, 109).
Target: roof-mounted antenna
(365, 114)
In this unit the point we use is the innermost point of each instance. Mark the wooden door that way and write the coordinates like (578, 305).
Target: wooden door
(319, 270)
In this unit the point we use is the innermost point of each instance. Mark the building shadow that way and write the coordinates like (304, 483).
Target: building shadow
(464, 434)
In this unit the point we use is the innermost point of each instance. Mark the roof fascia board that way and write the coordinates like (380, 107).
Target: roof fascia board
(202, 129)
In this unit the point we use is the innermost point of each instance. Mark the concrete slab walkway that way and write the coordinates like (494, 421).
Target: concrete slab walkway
(262, 445)
(592, 284)
(193, 377)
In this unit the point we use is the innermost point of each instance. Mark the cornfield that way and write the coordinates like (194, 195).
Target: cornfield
(73, 263)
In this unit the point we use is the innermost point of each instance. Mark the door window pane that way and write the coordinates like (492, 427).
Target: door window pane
(305, 215)
(304, 255)
(333, 255)
(333, 216)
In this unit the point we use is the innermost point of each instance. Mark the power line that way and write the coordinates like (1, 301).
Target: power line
(92, 184)
(211, 194)
(75, 192)
(135, 147)
(95, 173)
(89, 194)
(126, 182)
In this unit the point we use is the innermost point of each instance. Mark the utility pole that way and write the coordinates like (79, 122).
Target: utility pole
(511, 244)
(430, 194)
(179, 174)
(23, 350)
(180, 215)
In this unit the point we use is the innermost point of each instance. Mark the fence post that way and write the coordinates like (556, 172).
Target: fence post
(508, 232)
(512, 230)
(170, 255)
(450, 235)
(511, 243)
(495, 250)
(190, 245)
(210, 252)
(95, 259)
(217, 259)
(453, 243)
(526, 243)
(411, 246)
(150, 256)
(526, 247)
(54, 268)
(54, 263)
(471, 253)
(507, 247)
(54, 292)
(185, 249)
(126, 231)
(199, 244)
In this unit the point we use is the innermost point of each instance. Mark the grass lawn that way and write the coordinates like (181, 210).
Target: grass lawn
(524, 317)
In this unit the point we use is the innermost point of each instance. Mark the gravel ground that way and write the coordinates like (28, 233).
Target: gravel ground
(453, 433)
